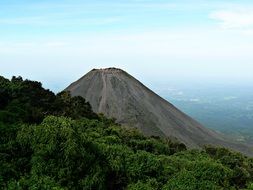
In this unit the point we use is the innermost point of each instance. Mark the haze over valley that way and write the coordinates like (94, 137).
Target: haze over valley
(226, 108)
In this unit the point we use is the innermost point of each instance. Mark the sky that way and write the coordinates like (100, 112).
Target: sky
(58, 41)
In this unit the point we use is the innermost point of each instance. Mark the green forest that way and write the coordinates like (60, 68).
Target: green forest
(55, 141)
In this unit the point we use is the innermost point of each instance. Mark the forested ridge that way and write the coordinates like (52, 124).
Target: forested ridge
(50, 141)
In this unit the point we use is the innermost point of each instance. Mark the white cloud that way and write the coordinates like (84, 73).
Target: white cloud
(19, 20)
(57, 20)
(55, 44)
(242, 19)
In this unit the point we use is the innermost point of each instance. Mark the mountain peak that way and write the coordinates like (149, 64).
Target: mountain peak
(117, 94)
(109, 70)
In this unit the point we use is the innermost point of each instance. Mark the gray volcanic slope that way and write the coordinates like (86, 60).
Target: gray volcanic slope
(115, 93)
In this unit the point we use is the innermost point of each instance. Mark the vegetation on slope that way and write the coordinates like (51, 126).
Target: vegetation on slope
(50, 141)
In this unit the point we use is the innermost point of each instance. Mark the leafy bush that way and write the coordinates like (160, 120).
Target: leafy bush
(50, 141)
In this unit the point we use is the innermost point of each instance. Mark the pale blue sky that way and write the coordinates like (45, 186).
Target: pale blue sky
(58, 41)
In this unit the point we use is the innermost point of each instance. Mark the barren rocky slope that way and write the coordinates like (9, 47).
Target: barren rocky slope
(117, 94)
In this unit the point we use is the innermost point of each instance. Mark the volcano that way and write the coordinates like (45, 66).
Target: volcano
(118, 95)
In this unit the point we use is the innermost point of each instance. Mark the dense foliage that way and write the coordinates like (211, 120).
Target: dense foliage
(52, 141)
